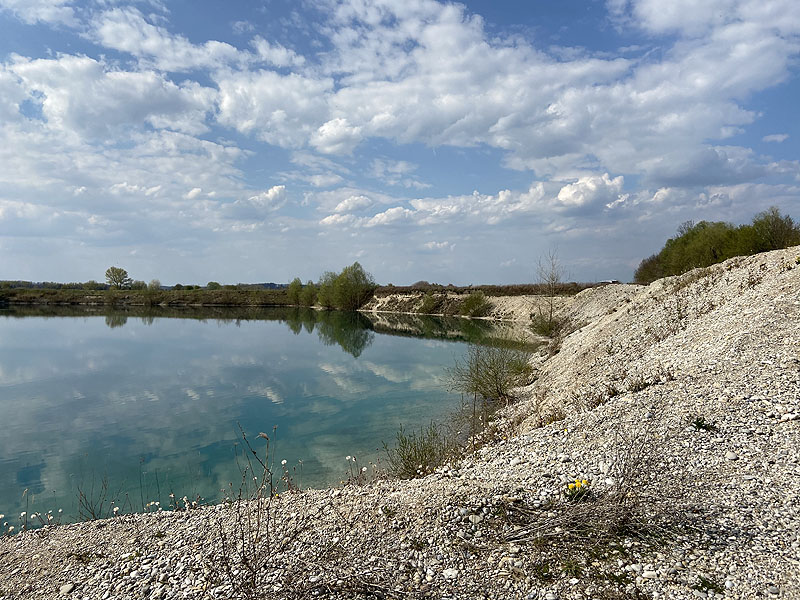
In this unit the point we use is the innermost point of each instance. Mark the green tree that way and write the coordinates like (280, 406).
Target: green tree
(213, 285)
(353, 287)
(774, 231)
(294, 290)
(117, 278)
(138, 285)
(309, 294)
(154, 285)
(325, 296)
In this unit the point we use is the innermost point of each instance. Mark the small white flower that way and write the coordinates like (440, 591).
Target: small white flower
(22, 514)
(363, 469)
(10, 529)
(116, 509)
(1, 516)
(283, 462)
(347, 457)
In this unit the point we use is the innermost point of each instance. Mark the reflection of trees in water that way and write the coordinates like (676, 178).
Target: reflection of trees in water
(116, 320)
(301, 318)
(350, 330)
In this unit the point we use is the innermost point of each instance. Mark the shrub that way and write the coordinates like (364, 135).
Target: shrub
(491, 372)
(417, 454)
(430, 304)
(475, 305)
(213, 285)
(308, 295)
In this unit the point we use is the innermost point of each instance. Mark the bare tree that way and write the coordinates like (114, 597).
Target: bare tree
(550, 275)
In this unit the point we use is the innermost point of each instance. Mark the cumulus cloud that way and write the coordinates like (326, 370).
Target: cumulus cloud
(591, 190)
(258, 206)
(85, 96)
(336, 136)
(352, 204)
(775, 137)
(41, 11)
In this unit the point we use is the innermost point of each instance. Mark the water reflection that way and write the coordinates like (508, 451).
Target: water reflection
(152, 401)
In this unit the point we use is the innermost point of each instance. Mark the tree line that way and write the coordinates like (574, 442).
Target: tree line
(706, 243)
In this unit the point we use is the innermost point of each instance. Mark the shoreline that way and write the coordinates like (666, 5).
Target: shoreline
(678, 402)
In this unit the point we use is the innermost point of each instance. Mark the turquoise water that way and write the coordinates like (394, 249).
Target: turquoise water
(133, 408)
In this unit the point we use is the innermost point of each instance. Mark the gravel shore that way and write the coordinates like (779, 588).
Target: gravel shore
(677, 404)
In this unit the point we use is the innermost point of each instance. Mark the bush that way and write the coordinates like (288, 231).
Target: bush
(308, 295)
(430, 304)
(417, 454)
(491, 372)
(213, 285)
(707, 243)
(475, 305)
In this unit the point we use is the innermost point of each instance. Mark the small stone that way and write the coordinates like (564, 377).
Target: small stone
(730, 455)
(650, 575)
(475, 519)
(728, 584)
(788, 417)
(450, 573)
(774, 590)
(550, 596)
(66, 589)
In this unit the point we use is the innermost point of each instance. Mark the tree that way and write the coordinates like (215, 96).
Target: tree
(353, 287)
(550, 275)
(118, 278)
(138, 285)
(325, 290)
(309, 294)
(154, 285)
(213, 285)
(294, 290)
(775, 231)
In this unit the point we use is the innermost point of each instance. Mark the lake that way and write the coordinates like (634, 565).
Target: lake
(133, 406)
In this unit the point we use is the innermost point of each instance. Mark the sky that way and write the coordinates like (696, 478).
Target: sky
(248, 141)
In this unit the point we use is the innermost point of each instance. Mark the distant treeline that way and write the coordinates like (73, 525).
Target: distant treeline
(92, 285)
(706, 243)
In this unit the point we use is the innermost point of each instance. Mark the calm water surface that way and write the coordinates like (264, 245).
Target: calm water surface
(152, 404)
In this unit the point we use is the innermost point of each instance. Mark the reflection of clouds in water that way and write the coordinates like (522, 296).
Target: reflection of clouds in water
(200, 380)
(266, 392)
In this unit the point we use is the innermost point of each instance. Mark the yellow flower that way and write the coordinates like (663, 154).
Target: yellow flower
(571, 486)
(585, 482)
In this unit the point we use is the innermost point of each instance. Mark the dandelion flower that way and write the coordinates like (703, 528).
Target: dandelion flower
(585, 482)
(571, 486)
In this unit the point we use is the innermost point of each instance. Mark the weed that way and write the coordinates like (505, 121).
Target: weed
(579, 491)
(572, 568)
(700, 424)
(542, 571)
(704, 584)
(417, 453)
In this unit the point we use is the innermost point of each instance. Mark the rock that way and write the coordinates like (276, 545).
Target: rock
(650, 575)
(66, 589)
(730, 455)
(450, 573)
(774, 590)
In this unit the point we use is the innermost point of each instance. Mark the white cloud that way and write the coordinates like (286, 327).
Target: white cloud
(775, 137)
(85, 97)
(284, 110)
(591, 190)
(352, 204)
(193, 193)
(258, 206)
(336, 136)
(41, 11)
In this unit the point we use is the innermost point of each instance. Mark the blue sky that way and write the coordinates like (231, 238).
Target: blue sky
(235, 141)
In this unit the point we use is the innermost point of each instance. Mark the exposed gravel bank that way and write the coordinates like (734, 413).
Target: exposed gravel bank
(678, 402)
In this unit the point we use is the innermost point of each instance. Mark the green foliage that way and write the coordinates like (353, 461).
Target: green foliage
(177, 286)
(138, 285)
(353, 287)
(431, 304)
(117, 278)
(325, 290)
(348, 290)
(417, 453)
(707, 243)
(294, 290)
(308, 295)
(154, 285)
(213, 285)
(491, 372)
(475, 305)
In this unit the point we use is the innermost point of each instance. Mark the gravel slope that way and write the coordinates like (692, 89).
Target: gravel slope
(678, 402)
